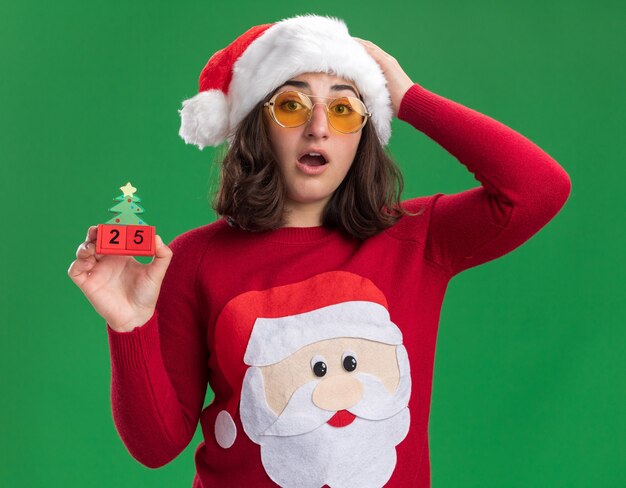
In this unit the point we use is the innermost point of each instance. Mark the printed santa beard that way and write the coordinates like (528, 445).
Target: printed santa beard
(300, 449)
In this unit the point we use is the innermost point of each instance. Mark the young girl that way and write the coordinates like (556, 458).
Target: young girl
(311, 307)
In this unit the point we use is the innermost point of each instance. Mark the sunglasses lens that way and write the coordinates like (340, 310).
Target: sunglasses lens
(347, 114)
(291, 109)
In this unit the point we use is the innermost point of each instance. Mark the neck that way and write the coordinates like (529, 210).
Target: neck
(304, 214)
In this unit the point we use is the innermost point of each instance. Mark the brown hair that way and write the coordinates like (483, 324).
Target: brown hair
(251, 193)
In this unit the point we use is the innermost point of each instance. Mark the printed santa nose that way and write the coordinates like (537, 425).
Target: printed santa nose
(338, 392)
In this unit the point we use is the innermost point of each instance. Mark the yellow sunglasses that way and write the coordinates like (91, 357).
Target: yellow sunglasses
(293, 109)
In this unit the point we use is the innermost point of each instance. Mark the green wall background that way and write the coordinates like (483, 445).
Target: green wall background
(530, 376)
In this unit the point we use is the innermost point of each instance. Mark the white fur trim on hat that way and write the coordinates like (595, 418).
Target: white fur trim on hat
(204, 119)
(274, 339)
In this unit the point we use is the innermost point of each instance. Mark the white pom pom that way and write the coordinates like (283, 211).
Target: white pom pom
(204, 119)
(225, 429)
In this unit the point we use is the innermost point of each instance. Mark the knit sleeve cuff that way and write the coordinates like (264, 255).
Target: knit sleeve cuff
(131, 350)
(419, 107)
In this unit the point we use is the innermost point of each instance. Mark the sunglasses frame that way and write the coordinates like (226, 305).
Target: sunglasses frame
(271, 104)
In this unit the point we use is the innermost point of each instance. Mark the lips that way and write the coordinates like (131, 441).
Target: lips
(313, 157)
(342, 418)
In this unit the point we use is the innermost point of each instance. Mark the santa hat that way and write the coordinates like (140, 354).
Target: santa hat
(242, 74)
(259, 328)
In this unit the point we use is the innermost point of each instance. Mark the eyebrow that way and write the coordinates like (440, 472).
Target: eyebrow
(304, 84)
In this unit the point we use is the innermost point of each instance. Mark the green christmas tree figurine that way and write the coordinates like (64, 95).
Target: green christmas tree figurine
(128, 208)
(126, 233)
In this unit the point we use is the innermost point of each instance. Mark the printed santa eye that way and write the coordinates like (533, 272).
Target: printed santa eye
(318, 365)
(348, 359)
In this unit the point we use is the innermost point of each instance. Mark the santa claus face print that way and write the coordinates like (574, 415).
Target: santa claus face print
(332, 412)
(309, 188)
(320, 380)
(337, 367)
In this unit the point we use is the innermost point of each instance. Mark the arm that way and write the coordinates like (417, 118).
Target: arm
(159, 370)
(522, 187)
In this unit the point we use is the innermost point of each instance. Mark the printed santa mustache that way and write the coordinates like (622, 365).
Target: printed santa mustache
(302, 416)
(300, 449)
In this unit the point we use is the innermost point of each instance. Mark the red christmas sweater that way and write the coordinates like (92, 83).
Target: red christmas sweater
(320, 347)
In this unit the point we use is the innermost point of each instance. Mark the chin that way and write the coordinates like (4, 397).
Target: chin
(308, 198)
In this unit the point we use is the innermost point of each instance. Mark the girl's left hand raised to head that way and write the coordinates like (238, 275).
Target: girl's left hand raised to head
(398, 82)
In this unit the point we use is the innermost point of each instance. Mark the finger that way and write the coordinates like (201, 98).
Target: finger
(374, 51)
(366, 43)
(92, 233)
(162, 257)
(79, 270)
(85, 250)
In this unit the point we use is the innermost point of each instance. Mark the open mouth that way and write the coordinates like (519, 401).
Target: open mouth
(313, 159)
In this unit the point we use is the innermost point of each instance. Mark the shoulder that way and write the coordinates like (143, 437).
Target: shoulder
(414, 227)
(196, 240)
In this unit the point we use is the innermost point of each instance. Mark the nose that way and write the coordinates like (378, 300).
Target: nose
(338, 393)
(317, 126)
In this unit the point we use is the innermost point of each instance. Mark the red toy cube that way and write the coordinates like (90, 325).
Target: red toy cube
(111, 238)
(140, 238)
(128, 240)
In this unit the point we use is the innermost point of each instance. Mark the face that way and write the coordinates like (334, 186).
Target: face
(309, 193)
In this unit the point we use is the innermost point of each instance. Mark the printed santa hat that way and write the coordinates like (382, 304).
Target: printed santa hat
(238, 77)
(259, 328)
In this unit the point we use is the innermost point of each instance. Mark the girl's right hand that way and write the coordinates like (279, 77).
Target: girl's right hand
(398, 82)
(121, 289)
